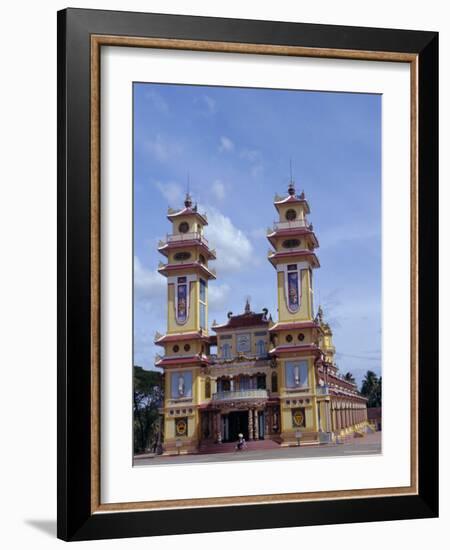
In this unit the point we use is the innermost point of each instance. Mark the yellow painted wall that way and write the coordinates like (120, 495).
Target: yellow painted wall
(193, 321)
(310, 418)
(193, 251)
(194, 225)
(169, 427)
(305, 311)
(311, 372)
(195, 347)
(254, 339)
(299, 208)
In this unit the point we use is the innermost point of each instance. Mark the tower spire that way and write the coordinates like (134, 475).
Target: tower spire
(291, 187)
(188, 199)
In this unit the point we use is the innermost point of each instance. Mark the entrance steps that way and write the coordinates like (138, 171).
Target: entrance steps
(230, 447)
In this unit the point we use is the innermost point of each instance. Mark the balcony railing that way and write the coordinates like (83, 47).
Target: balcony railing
(322, 390)
(294, 224)
(240, 394)
(239, 357)
(194, 236)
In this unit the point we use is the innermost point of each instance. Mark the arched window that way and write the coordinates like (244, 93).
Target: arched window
(261, 348)
(207, 388)
(226, 351)
(274, 382)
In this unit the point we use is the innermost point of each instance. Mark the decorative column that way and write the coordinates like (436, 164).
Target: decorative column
(255, 424)
(328, 416)
(250, 424)
(218, 427)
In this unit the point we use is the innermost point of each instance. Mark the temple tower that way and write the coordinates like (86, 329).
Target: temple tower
(295, 335)
(186, 343)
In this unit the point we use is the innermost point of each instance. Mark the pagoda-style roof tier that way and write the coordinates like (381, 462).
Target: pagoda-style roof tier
(293, 256)
(246, 319)
(291, 199)
(289, 349)
(160, 340)
(186, 240)
(296, 325)
(191, 360)
(170, 269)
(290, 230)
(187, 211)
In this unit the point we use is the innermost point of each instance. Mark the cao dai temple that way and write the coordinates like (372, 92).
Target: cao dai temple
(268, 380)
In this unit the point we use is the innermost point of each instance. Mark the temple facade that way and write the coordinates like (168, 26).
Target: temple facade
(251, 375)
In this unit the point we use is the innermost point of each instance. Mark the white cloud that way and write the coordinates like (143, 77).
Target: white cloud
(218, 189)
(218, 296)
(255, 158)
(226, 144)
(162, 149)
(157, 100)
(252, 155)
(210, 103)
(148, 285)
(232, 245)
(258, 233)
(257, 170)
(342, 234)
(172, 192)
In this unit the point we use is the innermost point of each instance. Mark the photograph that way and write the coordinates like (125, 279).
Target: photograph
(257, 274)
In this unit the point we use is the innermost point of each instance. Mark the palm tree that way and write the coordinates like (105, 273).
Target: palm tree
(349, 377)
(371, 388)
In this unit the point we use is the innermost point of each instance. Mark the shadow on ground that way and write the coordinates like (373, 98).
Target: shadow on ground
(47, 526)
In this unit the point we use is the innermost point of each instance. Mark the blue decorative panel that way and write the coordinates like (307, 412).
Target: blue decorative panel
(202, 316)
(202, 290)
(181, 384)
(293, 291)
(243, 343)
(297, 374)
(182, 301)
(226, 351)
(261, 348)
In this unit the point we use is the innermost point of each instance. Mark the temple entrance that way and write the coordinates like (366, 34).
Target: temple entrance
(237, 423)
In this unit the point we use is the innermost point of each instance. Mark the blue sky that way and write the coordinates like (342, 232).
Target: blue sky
(236, 144)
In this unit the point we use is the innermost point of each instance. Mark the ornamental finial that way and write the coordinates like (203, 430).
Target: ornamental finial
(319, 316)
(188, 201)
(247, 305)
(291, 188)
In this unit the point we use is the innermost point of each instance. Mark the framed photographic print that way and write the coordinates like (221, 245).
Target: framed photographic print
(247, 274)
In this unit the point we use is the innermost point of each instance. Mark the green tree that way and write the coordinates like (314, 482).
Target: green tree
(371, 388)
(349, 377)
(148, 394)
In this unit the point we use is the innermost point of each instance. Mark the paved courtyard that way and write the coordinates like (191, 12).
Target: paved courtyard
(370, 444)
